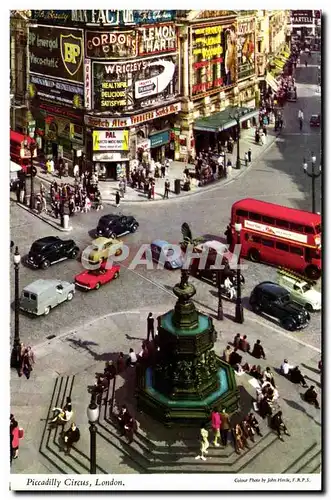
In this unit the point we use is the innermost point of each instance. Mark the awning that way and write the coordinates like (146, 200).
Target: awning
(270, 80)
(279, 63)
(222, 120)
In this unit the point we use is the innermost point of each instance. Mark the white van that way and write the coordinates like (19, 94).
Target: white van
(43, 295)
(14, 169)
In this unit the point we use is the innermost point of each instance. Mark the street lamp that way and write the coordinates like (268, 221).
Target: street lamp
(220, 315)
(236, 116)
(93, 416)
(239, 317)
(16, 352)
(313, 175)
(32, 148)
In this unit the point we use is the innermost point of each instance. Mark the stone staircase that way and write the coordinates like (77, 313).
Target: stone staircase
(309, 462)
(50, 449)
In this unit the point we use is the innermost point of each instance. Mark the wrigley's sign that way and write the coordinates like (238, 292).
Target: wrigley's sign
(130, 121)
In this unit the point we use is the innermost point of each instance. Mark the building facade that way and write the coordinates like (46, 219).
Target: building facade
(106, 86)
(305, 26)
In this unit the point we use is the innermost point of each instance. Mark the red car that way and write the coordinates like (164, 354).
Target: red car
(93, 279)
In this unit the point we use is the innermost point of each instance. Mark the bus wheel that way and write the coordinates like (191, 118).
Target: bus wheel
(254, 255)
(313, 273)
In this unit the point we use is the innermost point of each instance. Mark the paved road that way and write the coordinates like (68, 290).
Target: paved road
(92, 317)
(278, 177)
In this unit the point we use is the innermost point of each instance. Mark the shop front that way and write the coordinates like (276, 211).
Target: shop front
(217, 128)
(160, 145)
(111, 153)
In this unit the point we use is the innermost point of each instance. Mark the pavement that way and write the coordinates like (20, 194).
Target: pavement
(176, 171)
(277, 176)
(66, 365)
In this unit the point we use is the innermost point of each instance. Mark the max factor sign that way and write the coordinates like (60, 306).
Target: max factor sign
(103, 17)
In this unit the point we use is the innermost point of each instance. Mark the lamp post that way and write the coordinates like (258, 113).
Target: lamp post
(93, 415)
(32, 148)
(239, 317)
(220, 315)
(313, 175)
(236, 116)
(16, 351)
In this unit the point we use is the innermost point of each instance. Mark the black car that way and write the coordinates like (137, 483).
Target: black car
(111, 226)
(49, 250)
(274, 300)
(315, 121)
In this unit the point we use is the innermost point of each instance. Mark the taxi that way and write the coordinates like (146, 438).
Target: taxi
(101, 249)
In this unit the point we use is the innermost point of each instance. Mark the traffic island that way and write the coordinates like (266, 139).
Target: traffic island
(186, 380)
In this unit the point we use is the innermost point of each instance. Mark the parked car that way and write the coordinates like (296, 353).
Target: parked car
(315, 121)
(43, 295)
(50, 250)
(101, 249)
(274, 300)
(94, 279)
(111, 225)
(300, 290)
(161, 250)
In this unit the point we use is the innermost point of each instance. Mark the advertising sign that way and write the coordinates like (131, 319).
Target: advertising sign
(107, 17)
(121, 17)
(55, 127)
(246, 49)
(48, 89)
(111, 45)
(127, 121)
(113, 140)
(301, 17)
(134, 84)
(53, 16)
(276, 231)
(56, 52)
(87, 83)
(160, 139)
(157, 39)
(123, 155)
(214, 56)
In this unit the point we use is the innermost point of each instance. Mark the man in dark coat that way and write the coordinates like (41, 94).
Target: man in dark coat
(296, 377)
(235, 358)
(258, 351)
(71, 436)
(311, 397)
(150, 326)
(278, 425)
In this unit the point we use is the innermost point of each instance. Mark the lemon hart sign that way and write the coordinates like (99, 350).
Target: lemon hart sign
(57, 52)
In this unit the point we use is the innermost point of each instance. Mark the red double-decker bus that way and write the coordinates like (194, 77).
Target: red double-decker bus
(20, 152)
(278, 235)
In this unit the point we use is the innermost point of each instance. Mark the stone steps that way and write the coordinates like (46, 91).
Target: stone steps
(179, 456)
(306, 463)
(50, 450)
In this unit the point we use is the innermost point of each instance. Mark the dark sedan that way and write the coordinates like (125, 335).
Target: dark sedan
(111, 226)
(315, 121)
(274, 300)
(50, 250)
